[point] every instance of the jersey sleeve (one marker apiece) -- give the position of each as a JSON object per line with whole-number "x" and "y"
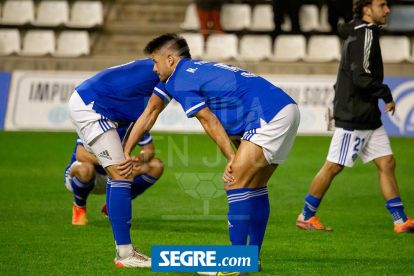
{"x": 161, "y": 91}
{"x": 79, "y": 142}
{"x": 146, "y": 140}
{"x": 190, "y": 97}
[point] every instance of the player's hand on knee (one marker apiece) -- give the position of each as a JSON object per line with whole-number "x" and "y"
{"x": 136, "y": 163}
{"x": 228, "y": 173}
{"x": 125, "y": 167}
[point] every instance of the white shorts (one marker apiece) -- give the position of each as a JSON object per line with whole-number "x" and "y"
{"x": 100, "y": 181}
{"x": 276, "y": 137}
{"x": 347, "y": 145}
{"x": 97, "y": 133}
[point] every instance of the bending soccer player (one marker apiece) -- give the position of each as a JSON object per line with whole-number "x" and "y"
{"x": 227, "y": 101}
{"x": 359, "y": 130}
{"x": 84, "y": 175}
{"x": 115, "y": 96}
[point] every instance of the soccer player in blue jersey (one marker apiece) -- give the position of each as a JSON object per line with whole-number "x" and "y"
{"x": 84, "y": 175}
{"x": 227, "y": 101}
{"x": 115, "y": 96}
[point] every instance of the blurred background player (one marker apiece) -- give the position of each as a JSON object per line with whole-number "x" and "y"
{"x": 209, "y": 14}
{"x": 84, "y": 175}
{"x": 115, "y": 96}
{"x": 227, "y": 101}
{"x": 359, "y": 130}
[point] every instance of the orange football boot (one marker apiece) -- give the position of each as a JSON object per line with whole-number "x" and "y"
{"x": 407, "y": 227}
{"x": 79, "y": 215}
{"x": 311, "y": 224}
{"x": 105, "y": 210}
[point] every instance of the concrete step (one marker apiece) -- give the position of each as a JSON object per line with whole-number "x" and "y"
{"x": 152, "y": 12}
{"x": 113, "y": 45}
{"x": 142, "y": 28}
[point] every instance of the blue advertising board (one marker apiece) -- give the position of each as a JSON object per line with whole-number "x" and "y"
{"x": 4, "y": 95}
{"x": 402, "y": 123}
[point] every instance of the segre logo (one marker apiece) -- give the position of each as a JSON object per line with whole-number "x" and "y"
{"x": 204, "y": 258}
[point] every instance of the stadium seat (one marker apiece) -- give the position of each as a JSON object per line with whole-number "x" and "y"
{"x": 323, "y": 20}
{"x": 9, "y": 41}
{"x": 395, "y": 49}
{"x": 86, "y": 14}
{"x": 72, "y": 44}
{"x": 221, "y": 47}
{"x": 195, "y": 42}
{"x": 235, "y": 17}
{"x": 191, "y": 20}
{"x": 255, "y": 47}
{"x": 289, "y": 48}
{"x": 52, "y": 13}
{"x": 323, "y": 48}
{"x": 309, "y": 18}
{"x": 262, "y": 18}
{"x": 287, "y": 24}
{"x": 38, "y": 43}
{"x": 17, "y": 12}
{"x": 401, "y": 19}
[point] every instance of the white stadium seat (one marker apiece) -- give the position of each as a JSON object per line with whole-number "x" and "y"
{"x": 235, "y": 17}
{"x": 18, "y": 12}
{"x": 195, "y": 42}
{"x": 289, "y": 48}
{"x": 262, "y": 18}
{"x": 191, "y": 19}
{"x": 9, "y": 41}
{"x": 255, "y": 47}
{"x": 287, "y": 24}
{"x": 309, "y": 18}
{"x": 395, "y": 49}
{"x": 38, "y": 43}
{"x": 221, "y": 47}
{"x": 52, "y": 13}
{"x": 86, "y": 14}
{"x": 72, "y": 44}
{"x": 323, "y": 20}
{"x": 323, "y": 48}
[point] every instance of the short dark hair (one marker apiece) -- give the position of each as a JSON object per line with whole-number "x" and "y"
{"x": 177, "y": 43}
{"x": 359, "y": 7}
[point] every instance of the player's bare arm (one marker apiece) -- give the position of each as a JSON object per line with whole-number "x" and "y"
{"x": 215, "y": 130}
{"x": 142, "y": 126}
{"x": 82, "y": 155}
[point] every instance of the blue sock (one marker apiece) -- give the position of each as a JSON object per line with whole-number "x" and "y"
{"x": 259, "y": 216}
{"x": 396, "y": 208}
{"x": 108, "y": 196}
{"x": 239, "y": 215}
{"x": 311, "y": 205}
{"x": 141, "y": 183}
{"x": 81, "y": 190}
{"x": 120, "y": 211}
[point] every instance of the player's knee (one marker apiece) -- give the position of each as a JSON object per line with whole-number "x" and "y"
{"x": 156, "y": 168}
{"x": 387, "y": 164}
{"x": 85, "y": 172}
{"x": 333, "y": 168}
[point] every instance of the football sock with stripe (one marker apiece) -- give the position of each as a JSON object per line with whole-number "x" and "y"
{"x": 311, "y": 205}
{"x": 396, "y": 208}
{"x": 240, "y": 207}
{"x": 141, "y": 183}
{"x": 81, "y": 190}
{"x": 108, "y": 195}
{"x": 120, "y": 211}
{"x": 259, "y": 216}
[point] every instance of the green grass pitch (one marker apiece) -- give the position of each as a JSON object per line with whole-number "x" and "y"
{"x": 37, "y": 237}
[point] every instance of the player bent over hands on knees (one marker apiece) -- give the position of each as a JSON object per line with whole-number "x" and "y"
{"x": 227, "y": 101}
{"x": 359, "y": 130}
{"x": 114, "y": 97}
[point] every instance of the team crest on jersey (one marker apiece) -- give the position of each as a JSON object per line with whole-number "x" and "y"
{"x": 191, "y": 70}
{"x": 105, "y": 154}
{"x": 354, "y": 157}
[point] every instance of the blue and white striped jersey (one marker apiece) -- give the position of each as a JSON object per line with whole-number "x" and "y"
{"x": 121, "y": 93}
{"x": 238, "y": 98}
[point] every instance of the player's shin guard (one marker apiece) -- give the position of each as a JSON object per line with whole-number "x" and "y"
{"x": 81, "y": 190}
{"x": 119, "y": 211}
{"x": 311, "y": 205}
{"x": 141, "y": 183}
{"x": 239, "y": 215}
{"x": 259, "y": 216}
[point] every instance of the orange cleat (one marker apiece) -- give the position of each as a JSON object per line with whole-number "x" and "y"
{"x": 105, "y": 210}
{"x": 79, "y": 215}
{"x": 407, "y": 227}
{"x": 311, "y": 224}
